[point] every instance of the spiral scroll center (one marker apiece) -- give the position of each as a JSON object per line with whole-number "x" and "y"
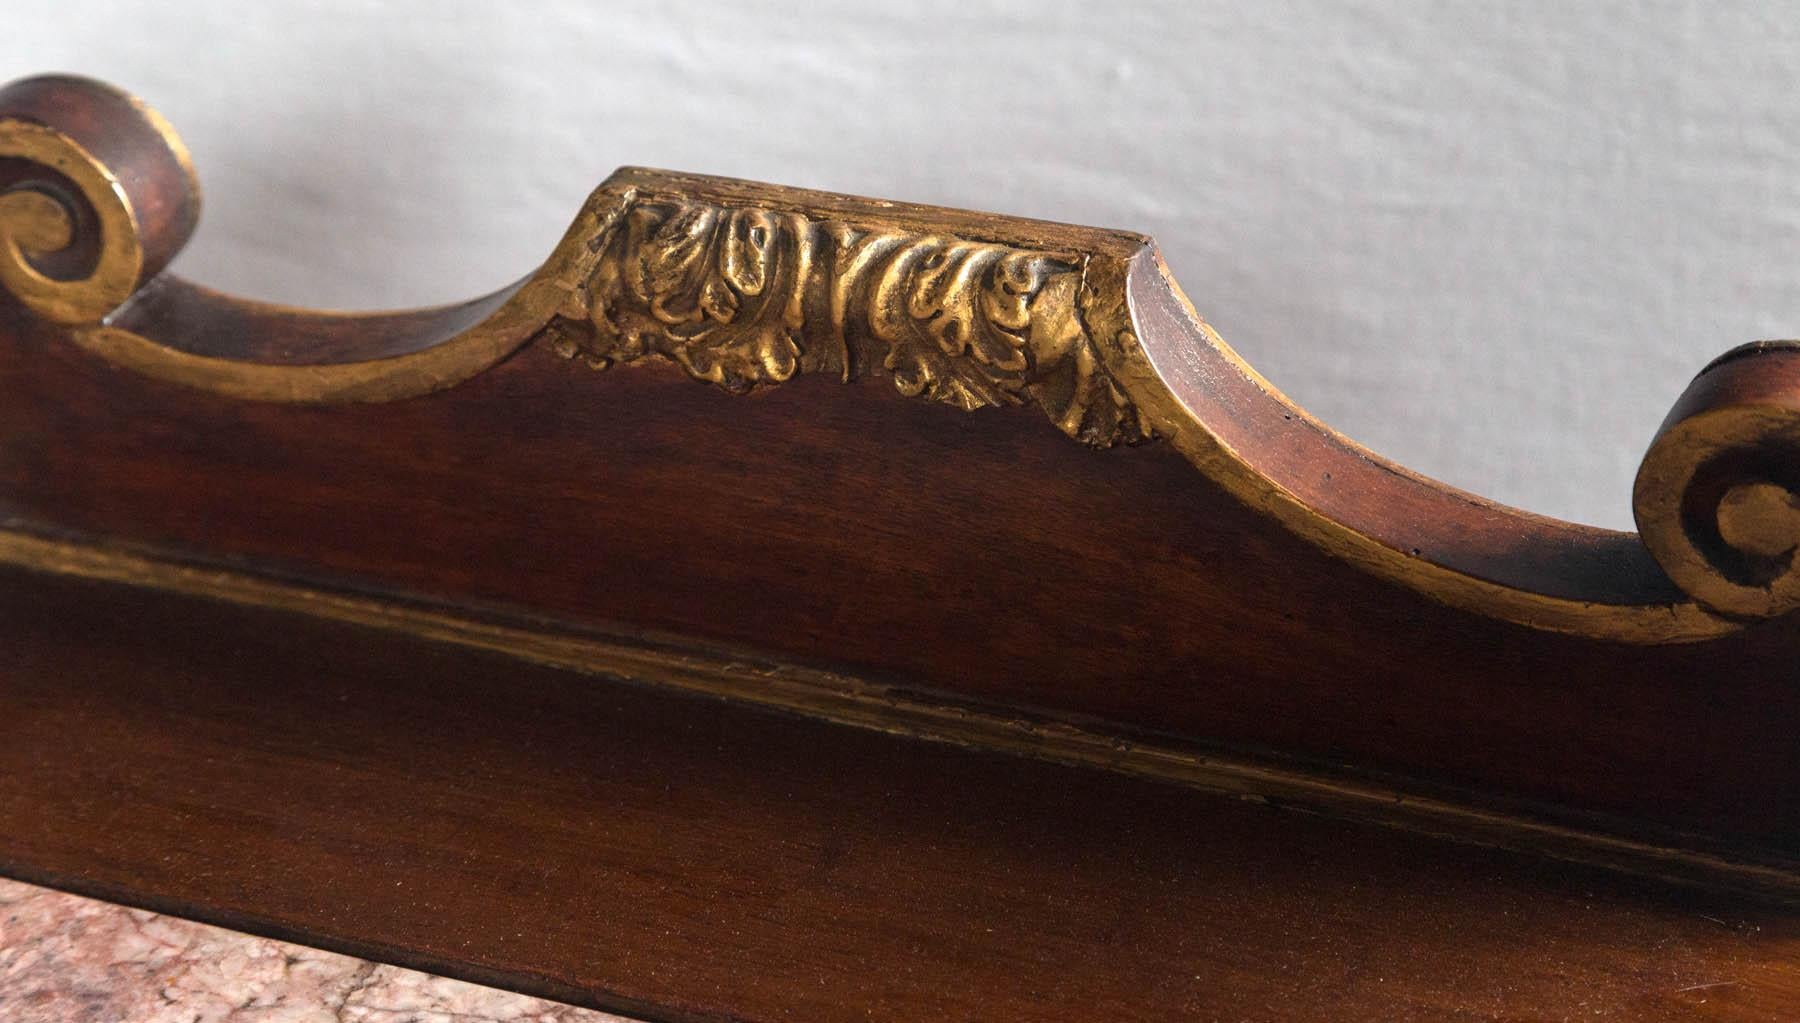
{"x": 36, "y": 221}
{"x": 1760, "y": 519}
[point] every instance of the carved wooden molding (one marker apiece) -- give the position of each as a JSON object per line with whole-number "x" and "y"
{"x": 745, "y": 285}
{"x": 740, "y": 296}
{"x": 216, "y": 514}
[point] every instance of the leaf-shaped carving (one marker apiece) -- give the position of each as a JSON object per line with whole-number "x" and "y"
{"x": 707, "y": 287}
{"x": 952, "y": 321}
{"x": 725, "y": 292}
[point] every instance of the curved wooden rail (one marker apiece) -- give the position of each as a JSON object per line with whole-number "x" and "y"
{"x": 746, "y": 285}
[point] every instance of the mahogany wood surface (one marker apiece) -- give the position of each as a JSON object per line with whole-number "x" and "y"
{"x": 982, "y": 556}
{"x": 1090, "y": 533}
{"x": 680, "y": 858}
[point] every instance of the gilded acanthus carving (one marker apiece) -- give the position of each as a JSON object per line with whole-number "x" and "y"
{"x": 745, "y": 296}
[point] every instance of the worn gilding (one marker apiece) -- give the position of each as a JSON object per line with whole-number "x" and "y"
{"x": 745, "y": 286}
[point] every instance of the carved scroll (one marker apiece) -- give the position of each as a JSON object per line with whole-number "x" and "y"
{"x": 1717, "y": 498}
{"x": 741, "y": 297}
{"x": 745, "y": 285}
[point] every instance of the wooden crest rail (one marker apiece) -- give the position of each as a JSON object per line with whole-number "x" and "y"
{"x": 408, "y": 634}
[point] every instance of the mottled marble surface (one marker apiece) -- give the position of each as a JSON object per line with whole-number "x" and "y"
{"x": 65, "y": 959}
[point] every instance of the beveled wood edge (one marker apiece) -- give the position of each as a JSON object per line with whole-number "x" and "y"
{"x": 713, "y": 274}
{"x": 1661, "y": 854}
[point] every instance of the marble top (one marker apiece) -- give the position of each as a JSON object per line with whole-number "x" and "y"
{"x": 65, "y": 959}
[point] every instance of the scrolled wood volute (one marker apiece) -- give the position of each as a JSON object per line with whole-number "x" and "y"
{"x": 97, "y": 195}
{"x": 1718, "y": 496}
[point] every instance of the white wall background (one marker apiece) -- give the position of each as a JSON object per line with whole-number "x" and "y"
{"x": 1490, "y": 240}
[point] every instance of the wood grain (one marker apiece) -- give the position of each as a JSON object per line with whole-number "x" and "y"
{"x": 685, "y": 859}
{"x": 979, "y": 556}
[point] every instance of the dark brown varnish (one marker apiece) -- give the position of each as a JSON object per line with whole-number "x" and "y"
{"x": 689, "y": 860}
{"x": 981, "y": 555}
{"x": 599, "y": 835}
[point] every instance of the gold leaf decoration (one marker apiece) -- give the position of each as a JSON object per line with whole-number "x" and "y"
{"x": 741, "y": 296}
